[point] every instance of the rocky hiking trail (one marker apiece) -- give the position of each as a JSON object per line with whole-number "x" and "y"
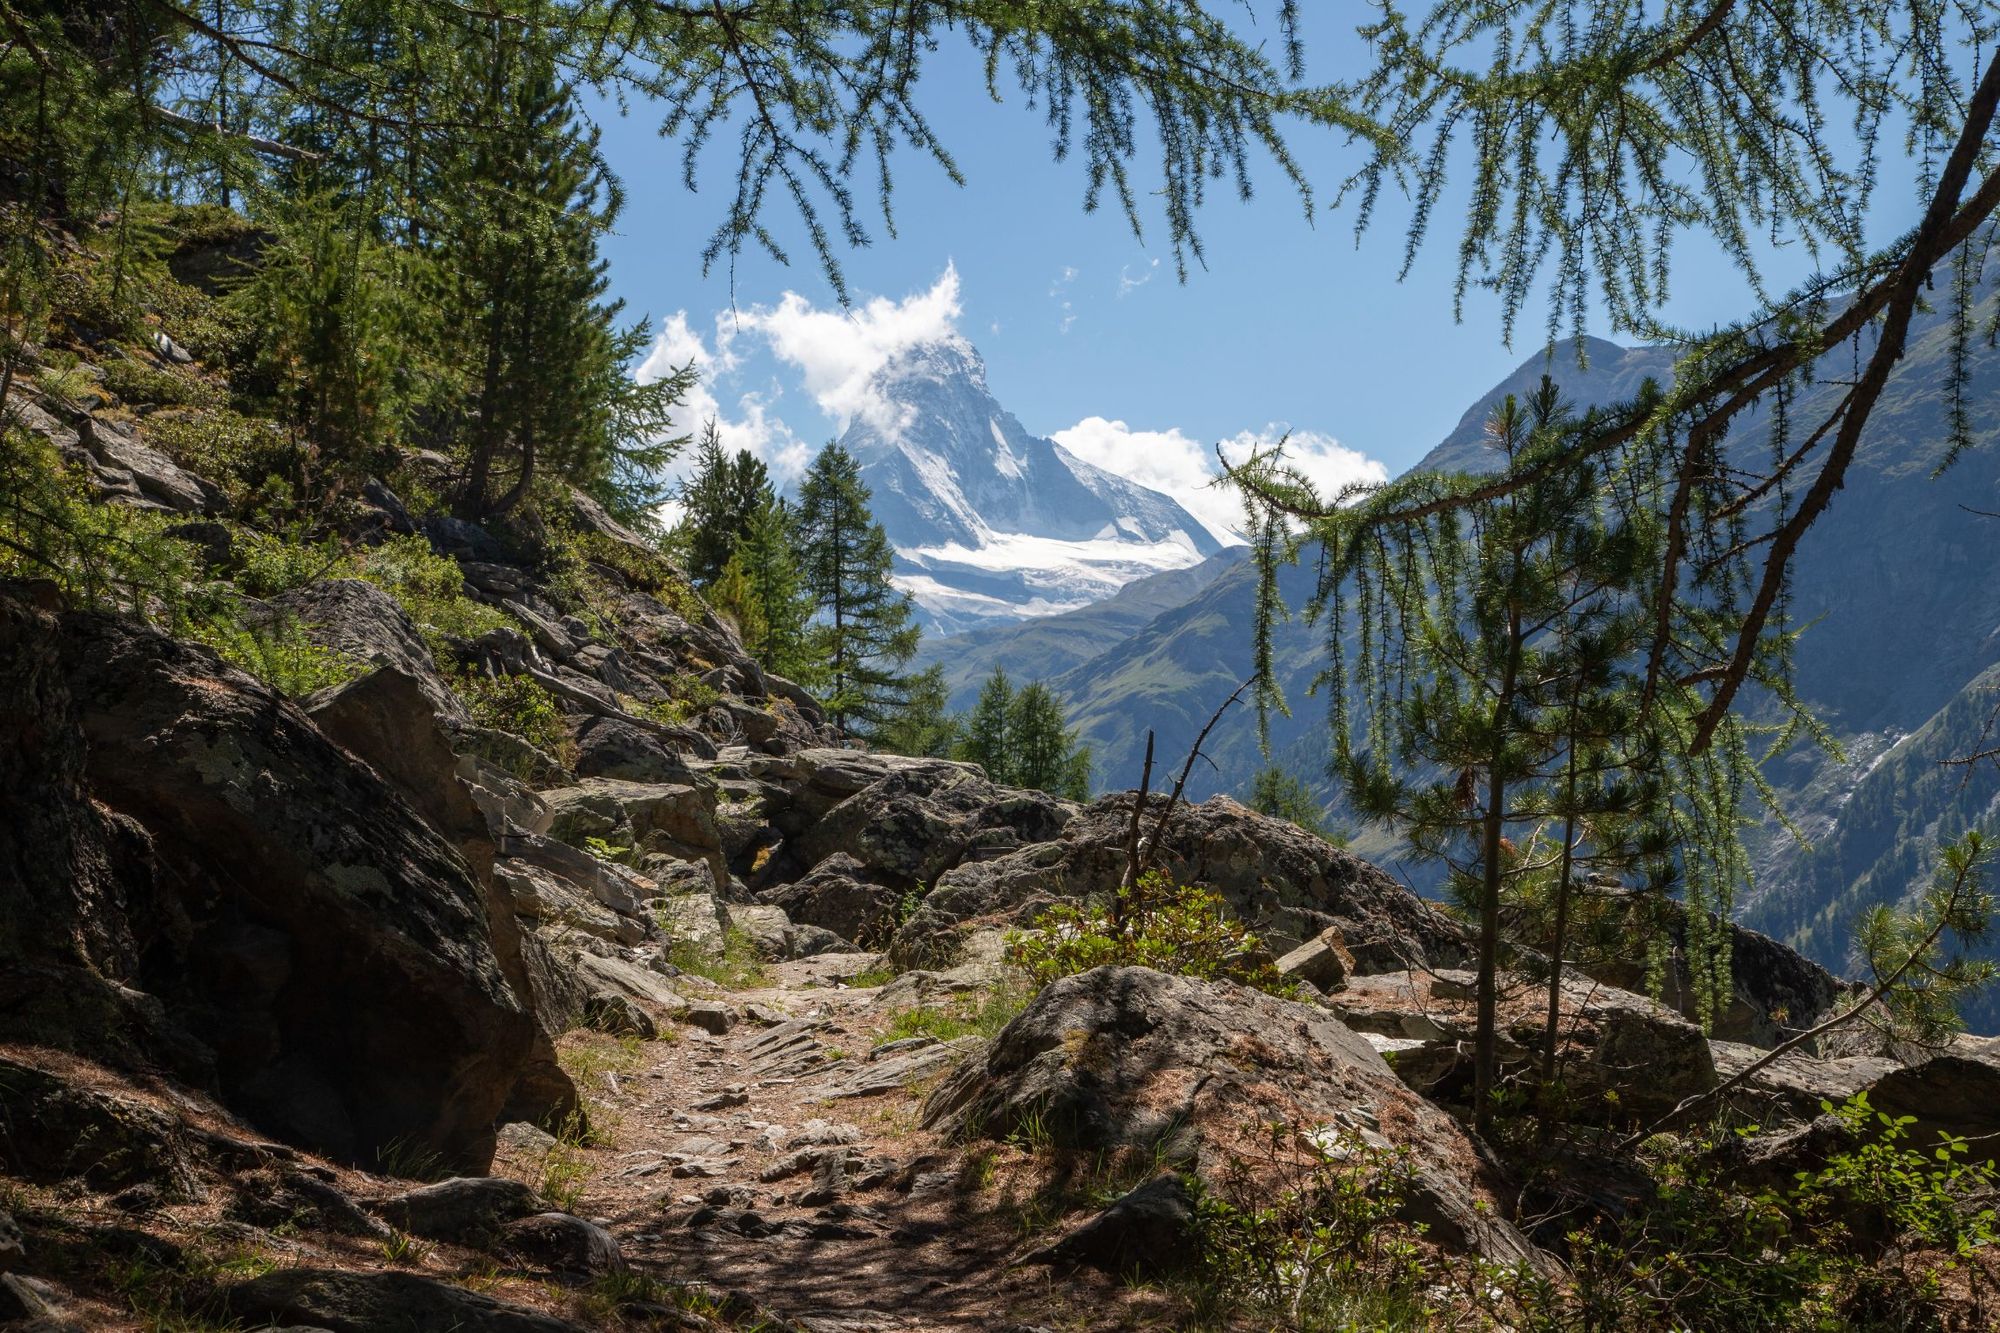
{"x": 788, "y": 1161}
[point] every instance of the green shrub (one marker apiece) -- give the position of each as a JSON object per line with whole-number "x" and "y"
{"x": 133, "y": 381}
{"x": 963, "y": 1016}
{"x": 519, "y": 705}
{"x": 277, "y": 653}
{"x": 1314, "y": 1240}
{"x": 268, "y": 564}
{"x": 1168, "y": 927}
{"x": 431, "y": 590}
{"x": 245, "y": 456}
{"x": 740, "y": 967}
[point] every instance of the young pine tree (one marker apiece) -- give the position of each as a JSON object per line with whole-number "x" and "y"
{"x": 722, "y": 499}
{"x": 863, "y": 632}
{"x": 924, "y": 727}
{"x": 1517, "y": 751}
{"x": 1046, "y": 755}
{"x": 986, "y": 727}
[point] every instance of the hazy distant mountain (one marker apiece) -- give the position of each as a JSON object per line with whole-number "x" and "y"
{"x": 1902, "y": 659}
{"x": 1049, "y": 645}
{"x": 992, "y": 524}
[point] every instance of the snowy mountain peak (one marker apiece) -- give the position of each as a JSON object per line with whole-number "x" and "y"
{"x": 989, "y": 522}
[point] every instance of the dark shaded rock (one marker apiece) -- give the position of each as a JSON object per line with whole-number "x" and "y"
{"x": 1621, "y": 1055}
{"x": 352, "y": 1302}
{"x": 386, "y": 719}
{"x": 561, "y": 1244}
{"x": 54, "y": 1128}
{"x": 463, "y": 1210}
{"x": 614, "y": 747}
{"x": 1776, "y": 991}
{"x": 921, "y": 817}
{"x": 359, "y": 619}
{"x": 371, "y": 1009}
{"x": 672, "y": 819}
{"x": 839, "y": 895}
{"x": 1286, "y": 883}
{"x": 1955, "y": 1093}
{"x": 1194, "y": 1072}
{"x": 1146, "y": 1233}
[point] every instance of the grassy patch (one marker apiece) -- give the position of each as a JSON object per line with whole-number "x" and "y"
{"x": 963, "y": 1016}
{"x": 740, "y": 967}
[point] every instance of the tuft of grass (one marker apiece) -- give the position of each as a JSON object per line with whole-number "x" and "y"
{"x": 399, "y": 1247}
{"x": 740, "y": 966}
{"x": 874, "y": 976}
{"x": 964, "y": 1016}
{"x": 406, "y": 1159}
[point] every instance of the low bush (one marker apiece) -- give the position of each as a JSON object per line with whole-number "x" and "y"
{"x": 1181, "y": 929}
{"x": 134, "y": 382}
{"x": 520, "y": 706}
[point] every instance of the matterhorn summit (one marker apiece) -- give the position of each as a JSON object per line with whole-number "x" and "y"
{"x": 990, "y": 523}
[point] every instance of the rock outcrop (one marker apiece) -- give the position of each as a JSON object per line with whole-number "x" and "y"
{"x": 1288, "y": 884}
{"x": 296, "y": 928}
{"x": 1195, "y": 1072}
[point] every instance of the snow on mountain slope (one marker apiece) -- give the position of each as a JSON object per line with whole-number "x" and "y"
{"x": 992, "y": 524}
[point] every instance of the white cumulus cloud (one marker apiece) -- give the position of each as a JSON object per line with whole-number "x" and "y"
{"x": 1184, "y": 467}
{"x": 748, "y": 424}
{"x": 839, "y": 353}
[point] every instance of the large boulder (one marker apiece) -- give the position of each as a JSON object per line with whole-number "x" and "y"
{"x": 331, "y": 948}
{"x": 1956, "y": 1093}
{"x": 1775, "y": 990}
{"x": 841, "y": 895}
{"x": 1125, "y": 1059}
{"x": 673, "y": 819}
{"x": 1620, "y": 1055}
{"x": 361, "y": 620}
{"x": 617, "y": 747}
{"x": 1288, "y": 884}
{"x": 918, "y": 820}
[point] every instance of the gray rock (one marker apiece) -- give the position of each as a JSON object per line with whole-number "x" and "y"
{"x": 359, "y": 619}
{"x": 1128, "y": 1058}
{"x": 371, "y": 915}
{"x": 1148, "y": 1233}
{"x": 464, "y": 1210}
{"x": 29, "y": 1300}
{"x": 1322, "y": 961}
{"x": 676, "y": 819}
{"x": 1955, "y": 1093}
{"x": 616, "y": 747}
{"x": 1794, "y": 1085}
{"x": 384, "y": 1302}
{"x": 161, "y": 483}
{"x": 710, "y": 1016}
{"x": 1286, "y": 883}
{"x": 838, "y": 895}
{"x": 561, "y": 1244}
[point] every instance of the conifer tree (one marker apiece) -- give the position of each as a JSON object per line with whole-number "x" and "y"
{"x": 863, "y": 630}
{"x": 1282, "y": 795}
{"x": 1045, "y": 754}
{"x": 924, "y": 727}
{"x": 721, "y": 500}
{"x": 1499, "y": 695}
{"x": 986, "y": 727}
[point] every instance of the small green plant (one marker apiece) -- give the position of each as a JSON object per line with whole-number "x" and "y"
{"x": 964, "y": 1016}
{"x": 739, "y": 966}
{"x": 243, "y": 455}
{"x": 605, "y": 850}
{"x": 431, "y": 590}
{"x": 133, "y": 381}
{"x": 520, "y": 706}
{"x": 399, "y": 1247}
{"x": 1174, "y": 928}
{"x": 407, "y": 1159}
{"x": 63, "y": 378}
{"x": 277, "y": 653}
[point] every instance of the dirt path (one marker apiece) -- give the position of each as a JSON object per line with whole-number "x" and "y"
{"x": 783, "y": 1160}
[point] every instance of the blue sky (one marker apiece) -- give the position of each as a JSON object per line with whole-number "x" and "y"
{"x": 1290, "y": 325}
